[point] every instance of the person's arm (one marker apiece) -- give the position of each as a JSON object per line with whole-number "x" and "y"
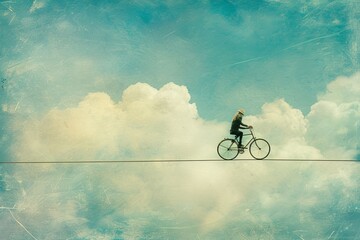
{"x": 244, "y": 126}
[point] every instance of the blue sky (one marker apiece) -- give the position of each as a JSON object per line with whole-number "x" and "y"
{"x": 229, "y": 54}
{"x": 115, "y": 80}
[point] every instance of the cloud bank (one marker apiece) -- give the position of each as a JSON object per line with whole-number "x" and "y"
{"x": 146, "y": 124}
{"x": 334, "y": 119}
{"x": 330, "y": 130}
{"x": 256, "y": 200}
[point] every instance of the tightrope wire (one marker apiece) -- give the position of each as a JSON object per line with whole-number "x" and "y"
{"x": 175, "y": 161}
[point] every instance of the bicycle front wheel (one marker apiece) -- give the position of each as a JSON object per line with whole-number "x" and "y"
{"x": 259, "y": 149}
{"x": 228, "y": 149}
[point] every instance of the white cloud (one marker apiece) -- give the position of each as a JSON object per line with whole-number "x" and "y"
{"x": 285, "y": 128}
{"x": 147, "y": 123}
{"x": 334, "y": 119}
{"x": 330, "y": 130}
{"x": 343, "y": 90}
{"x": 280, "y": 122}
{"x": 177, "y": 200}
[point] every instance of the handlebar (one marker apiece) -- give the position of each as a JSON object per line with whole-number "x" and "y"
{"x": 251, "y": 131}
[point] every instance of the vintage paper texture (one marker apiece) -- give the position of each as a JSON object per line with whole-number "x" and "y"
{"x": 111, "y": 113}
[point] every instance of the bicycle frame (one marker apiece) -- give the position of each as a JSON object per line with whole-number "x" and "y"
{"x": 250, "y": 141}
{"x": 229, "y": 148}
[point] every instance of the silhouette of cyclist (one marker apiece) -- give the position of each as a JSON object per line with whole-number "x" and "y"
{"x": 237, "y": 124}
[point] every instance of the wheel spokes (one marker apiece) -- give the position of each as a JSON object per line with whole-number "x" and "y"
{"x": 228, "y": 149}
{"x": 259, "y": 149}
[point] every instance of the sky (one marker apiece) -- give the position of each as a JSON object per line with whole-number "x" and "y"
{"x": 158, "y": 80}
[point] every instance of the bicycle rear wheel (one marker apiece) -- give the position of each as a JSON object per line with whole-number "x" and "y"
{"x": 228, "y": 149}
{"x": 259, "y": 149}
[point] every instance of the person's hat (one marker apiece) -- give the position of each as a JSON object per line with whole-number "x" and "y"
{"x": 242, "y": 111}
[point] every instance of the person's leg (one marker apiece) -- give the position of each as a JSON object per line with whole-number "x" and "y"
{"x": 240, "y": 133}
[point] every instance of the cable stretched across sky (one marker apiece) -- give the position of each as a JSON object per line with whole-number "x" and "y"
{"x": 175, "y": 161}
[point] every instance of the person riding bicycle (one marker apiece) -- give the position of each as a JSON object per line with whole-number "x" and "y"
{"x": 237, "y": 124}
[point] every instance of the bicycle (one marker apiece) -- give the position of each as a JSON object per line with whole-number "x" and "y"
{"x": 229, "y": 148}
